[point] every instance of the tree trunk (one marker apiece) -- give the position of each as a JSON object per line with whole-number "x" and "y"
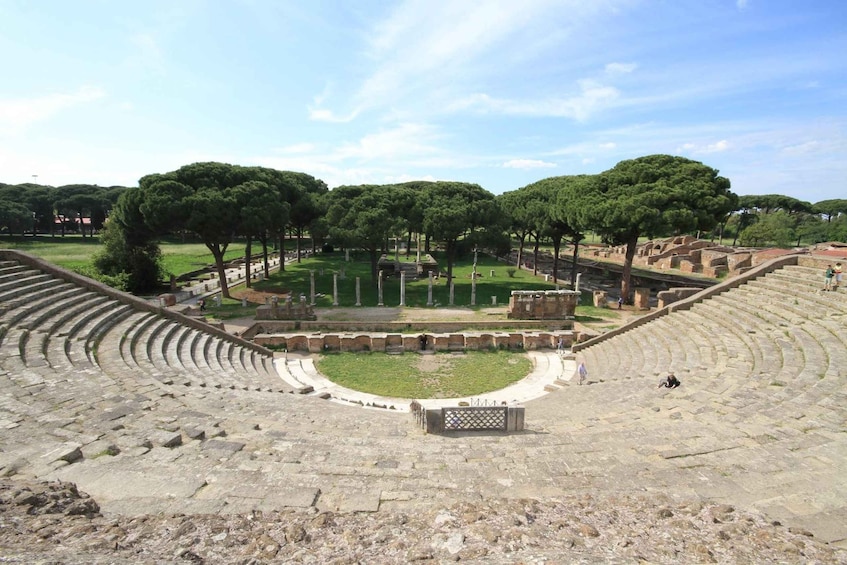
{"x": 535, "y": 257}
{"x": 557, "y": 244}
{"x": 282, "y": 251}
{"x": 298, "y": 233}
{"x": 374, "y": 256}
{"x": 248, "y": 260}
{"x": 627, "y": 269}
{"x": 218, "y": 254}
{"x": 264, "y": 240}
{"x": 574, "y": 264}
{"x": 522, "y": 240}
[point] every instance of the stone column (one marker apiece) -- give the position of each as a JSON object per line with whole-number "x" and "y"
{"x": 402, "y": 288}
{"x": 419, "y": 249}
{"x": 347, "y": 255}
{"x": 452, "y": 289}
{"x": 312, "y": 285}
{"x": 429, "y": 291}
{"x": 642, "y": 299}
{"x": 358, "y": 291}
{"x": 335, "y": 289}
{"x": 578, "y": 276}
{"x": 379, "y": 290}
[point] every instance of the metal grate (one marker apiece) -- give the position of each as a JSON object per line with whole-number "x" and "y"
{"x": 474, "y": 418}
{"x": 419, "y": 414}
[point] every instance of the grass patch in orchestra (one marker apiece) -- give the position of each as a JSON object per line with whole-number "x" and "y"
{"x": 410, "y": 375}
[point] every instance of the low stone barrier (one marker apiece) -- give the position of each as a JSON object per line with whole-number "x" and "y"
{"x": 468, "y": 418}
{"x": 398, "y": 343}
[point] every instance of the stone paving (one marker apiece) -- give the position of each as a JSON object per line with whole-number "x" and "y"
{"x": 149, "y": 416}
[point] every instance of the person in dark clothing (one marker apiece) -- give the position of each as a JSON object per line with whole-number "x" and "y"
{"x": 670, "y": 382}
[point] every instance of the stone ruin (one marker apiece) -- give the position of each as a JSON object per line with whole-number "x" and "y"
{"x": 288, "y": 310}
{"x": 419, "y": 269}
{"x": 543, "y": 304}
{"x": 690, "y": 255}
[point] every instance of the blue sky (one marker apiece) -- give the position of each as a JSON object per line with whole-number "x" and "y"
{"x": 501, "y": 93}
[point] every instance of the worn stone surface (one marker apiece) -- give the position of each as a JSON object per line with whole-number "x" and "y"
{"x": 55, "y": 523}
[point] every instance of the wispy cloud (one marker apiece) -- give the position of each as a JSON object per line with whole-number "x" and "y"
{"x": 16, "y": 114}
{"x": 325, "y": 115}
{"x": 425, "y": 52}
{"x": 701, "y": 149}
{"x": 591, "y": 97}
{"x": 620, "y": 68}
{"x": 405, "y": 140}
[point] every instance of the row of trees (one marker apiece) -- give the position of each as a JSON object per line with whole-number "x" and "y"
{"x": 216, "y": 201}
{"x": 784, "y": 221}
{"x": 651, "y": 196}
{"x": 40, "y": 208}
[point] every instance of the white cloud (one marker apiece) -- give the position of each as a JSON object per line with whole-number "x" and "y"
{"x": 620, "y": 68}
{"x": 323, "y": 115}
{"x": 695, "y": 149}
{"x": 19, "y": 113}
{"x": 384, "y": 156}
{"x": 592, "y": 98}
{"x": 717, "y": 147}
{"x": 408, "y": 139}
{"x": 527, "y": 164}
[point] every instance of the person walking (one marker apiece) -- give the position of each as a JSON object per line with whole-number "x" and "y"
{"x": 837, "y": 274}
{"x": 582, "y": 372}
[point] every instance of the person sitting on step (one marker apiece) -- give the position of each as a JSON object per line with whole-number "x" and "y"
{"x": 670, "y": 382}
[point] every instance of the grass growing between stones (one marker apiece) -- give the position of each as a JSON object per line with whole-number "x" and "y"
{"x": 442, "y": 375}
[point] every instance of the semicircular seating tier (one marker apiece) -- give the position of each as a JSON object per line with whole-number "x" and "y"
{"x": 150, "y": 411}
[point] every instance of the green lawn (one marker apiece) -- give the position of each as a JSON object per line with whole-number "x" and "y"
{"x": 181, "y": 258}
{"x": 443, "y": 375}
{"x": 75, "y": 252}
{"x": 296, "y": 279}
{"x": 71, "y": 251}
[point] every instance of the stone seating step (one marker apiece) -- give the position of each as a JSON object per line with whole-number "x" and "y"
{"x": 29, "y": 296}
{"x": 92, "y": 330}
{"x": 785, "y": 290}
{"x": 718, "y": 319}
{"x": 11, "y": 268}
{"x": 116, "y": 357}
{"x": 20, "y": 284}
{"x": 806, "y": 331}
{"x": 11, "y": 277}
